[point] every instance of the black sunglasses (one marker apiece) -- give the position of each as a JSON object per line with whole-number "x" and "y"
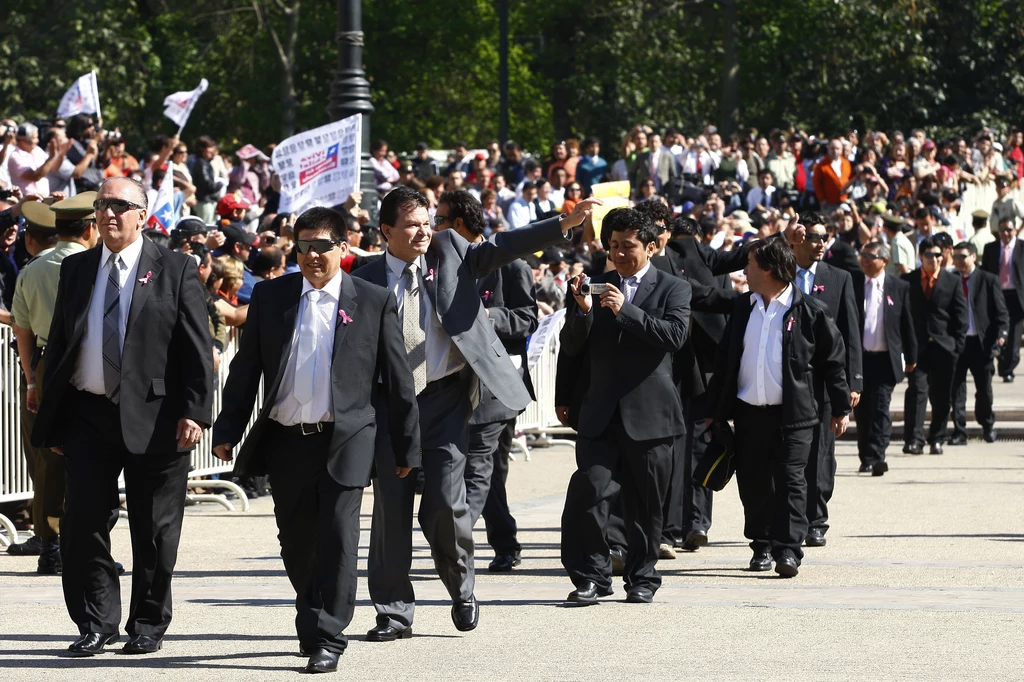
{"x": 118, "y": 206}
{"x": 816, "y": 237}
{"x": 959, "y": 256}
{"x": 931, "y": 254}
{"x": 318, "y": 245}
{"x": 1006, "y": 229}
{"x": 870, "y": 256}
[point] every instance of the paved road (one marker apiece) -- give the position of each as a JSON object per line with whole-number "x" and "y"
{"x": 923, "y": 578}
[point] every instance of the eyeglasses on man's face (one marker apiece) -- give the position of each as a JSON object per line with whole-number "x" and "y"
{"x": 118, "y": 206}
{"x": 318, "y": 245}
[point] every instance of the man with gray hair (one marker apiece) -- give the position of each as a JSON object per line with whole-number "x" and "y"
{"x": 887, "y": 332}
{"x": 29, "y": 164}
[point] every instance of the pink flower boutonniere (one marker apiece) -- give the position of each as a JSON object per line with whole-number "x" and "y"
{"x": 145, "y": 280}
{"x": 828, "y": 254}
{"x": 889, "y": 300}
{"x": 487, "y": 296}
{"x": 345, "y": 318}
{"x": 430, "y": 275}
{"x": 789, "y": 325}
{"x": 818, "y": 287}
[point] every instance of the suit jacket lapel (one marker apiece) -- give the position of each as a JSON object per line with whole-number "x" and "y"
{"x": 432, "y": 283}
{"x": 148, "y": 270}
{"x": 347, "y": 305}
{"x": 646, "y": 286}
{"x": 889, "y": 317}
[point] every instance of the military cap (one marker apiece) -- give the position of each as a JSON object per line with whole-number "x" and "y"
{"x": 78, "y": 207}
{"x": 891, "y": 220}
{"x": 39, "y": 216}
{"x": 980, "y": 214}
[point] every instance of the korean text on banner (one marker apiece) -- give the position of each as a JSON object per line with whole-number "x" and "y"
{"x": 83, "y": 97}
{"x": 319, "y": 167}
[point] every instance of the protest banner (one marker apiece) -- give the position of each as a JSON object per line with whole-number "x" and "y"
{"x": 319, "y": 167}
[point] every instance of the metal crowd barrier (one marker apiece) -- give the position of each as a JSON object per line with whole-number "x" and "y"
{"x": 15, "y": 484}
{"x": 539, "y": 418}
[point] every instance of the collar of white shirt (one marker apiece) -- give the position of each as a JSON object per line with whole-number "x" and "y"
{"x": 1013, "y": 243}
{"x": 332, "y": 288}
{"x": 876, "y": 281}
{"x": 785, "y": 299}
{"x": 397, "y": 265}
{"x": 813, "y": 269}
{"x": 640, "y": 273}
{"x": 129, "y": 254}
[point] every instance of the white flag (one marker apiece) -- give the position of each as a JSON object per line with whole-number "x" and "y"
{"x": 162, "y": 215}
{"x": 179, "y": 105}
{"x": 81, "y": 98}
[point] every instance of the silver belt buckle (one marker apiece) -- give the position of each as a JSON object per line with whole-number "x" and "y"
{"x": 319, "y": 429}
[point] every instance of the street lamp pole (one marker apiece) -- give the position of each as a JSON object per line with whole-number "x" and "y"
{"x": 350, "y": 91}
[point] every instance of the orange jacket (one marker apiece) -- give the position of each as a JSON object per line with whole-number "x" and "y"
{"x": 827, "y": 186}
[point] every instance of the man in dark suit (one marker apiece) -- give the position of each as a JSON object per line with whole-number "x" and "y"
{"x": 988, "y": 324}
{"x": 509, "y": 302}
{"x": 128, "y": 387}
{"x": 833, "y": 288}
{"x": 838, "y": 253}
{"x": 1005, "y": 260}
{"x": 657, "y": 164}
{"x": 939, "y": 309}
{"x": 780, "y": 354}
{"x": 888, "y": 339}
{"x": 452, "y": 348}
{"x": 630, "y": 414}
{"x": 319, "y": 339}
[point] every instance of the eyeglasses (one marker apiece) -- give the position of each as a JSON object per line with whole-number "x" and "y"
{"x": 318, "y": 245}
{"x": 1006, "y": 229}
{"x": 118, "y": 206}
{"x": 869, "y": 256}
{"x": 931, "y": 254}
{"x": 572, "y": 189}
{"x": 959, "y": 256}
{"x": 440, "y": 220}
{"x": 815, "y": 237}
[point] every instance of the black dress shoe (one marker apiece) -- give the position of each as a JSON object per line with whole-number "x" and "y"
{"x": 49, "y": 561}
{"x": 142, "y": 644}
{"x": 913, "y": 449}
{"x": 786, "y": 566}
{"x": 31, "y": 547}
{"x": 695, "y": 539}
{"x": 935, "y": 449}
{"x": 618, "y": 557}
{"x": 92, "y": 643}
{"x": 388, "y": 633}
{"x": 865, "y": 468}
{"x": 465, "y": 614}
{"x": 991, "y": 436}
{"x": 119, "y": 568}
{"x": 957, "y": 440}
{"x": 879, "y": 468}
{"x": 503, "y": 563}
{"x": 761, "y": 561}
{"x": 587, "y": 593}
{"x": 1007, "y": 378}
{"x": 322, "y": 661}
{"x": 639, "y": 595}
{"x": 815, "y": 538}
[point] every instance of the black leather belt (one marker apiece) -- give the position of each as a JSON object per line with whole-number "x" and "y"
{"x": 441, "y": 384}
{"x": 308, "y": 429}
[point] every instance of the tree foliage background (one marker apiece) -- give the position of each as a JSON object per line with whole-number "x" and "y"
{"x": 576, "y": 66}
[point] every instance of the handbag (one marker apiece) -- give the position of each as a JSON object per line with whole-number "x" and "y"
{"x": 716, "y": 467}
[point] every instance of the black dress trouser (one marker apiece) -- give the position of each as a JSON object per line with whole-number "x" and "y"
{"x": 821, "y": 472}
{"x": 94, "y": 457}
{"x": 318, "y": 526}
{"x": 978, "y": 361}
{"x": 772, "y": 481}
{"x": 931, "y": 380}
{"x": 638, "y": 471}
{"x": 874, "y": 421}
{"x": 1009, "y": 355}
{"x": 500, "y": 524}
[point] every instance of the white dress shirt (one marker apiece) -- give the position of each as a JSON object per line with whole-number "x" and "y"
{"x": 760, "y": 378}
{"x": 629, "y": 288}
{"x": 88, "y": 374}
{"x": 443, "y": 356}
{"x": 762, "y": 197}
{"x": 874, "y": 315}
{"x": 521, "y": 213}
{"x": 322, "y": 317}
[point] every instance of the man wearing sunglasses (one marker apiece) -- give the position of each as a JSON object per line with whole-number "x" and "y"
{"x": 939, "y": 309}
{"x": 320, "y": 339}
{"x": 452, "y": 348}
{"x": 1005, "y": 259}
{"x": 128, "y": 387}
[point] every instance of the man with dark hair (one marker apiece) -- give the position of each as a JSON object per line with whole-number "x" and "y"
{"x": 592, "y": 168}
{"x": 838, "y": 253}
{"x": 631, "y": 413}
{"x": 833, "y": 288}
{"x": 988, "y": 324}
{"x": 35, "y": 295}
{"x": 511, "y": 165}
{"x": 523, "y": 210}
{"x": 325, "y": 411}
{"x": 1005, "y": 259}
{"x": 510, "y": 304}
{"x": 781, "y": 353}
{"x": 207, "y": 185}
{"x": 452, "y": 348}
{"x": 84, "y": 151}
{"x": 939, "y": 309}
{"x": 238, "y": 243}
{"x": 268, "y": 263}
{"x": 888, "y": 339}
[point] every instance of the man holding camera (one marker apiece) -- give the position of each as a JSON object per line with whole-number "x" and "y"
{"x": 629, "y": 322}
{"x": 29, "y": 164}
{"x": 988, "y": 324}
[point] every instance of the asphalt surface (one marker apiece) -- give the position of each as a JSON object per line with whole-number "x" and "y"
{"x": 922, "y": 579}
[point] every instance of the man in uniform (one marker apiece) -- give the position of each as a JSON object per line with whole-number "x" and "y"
{"x": 74, "y": 222}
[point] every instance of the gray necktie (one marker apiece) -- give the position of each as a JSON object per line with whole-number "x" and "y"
{"x": 415, "y": 339}
{"x": 629, "y": 288}
{"x": 112, "y": 331}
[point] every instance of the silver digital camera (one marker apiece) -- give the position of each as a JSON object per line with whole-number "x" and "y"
{"x": 595, "y": 289}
